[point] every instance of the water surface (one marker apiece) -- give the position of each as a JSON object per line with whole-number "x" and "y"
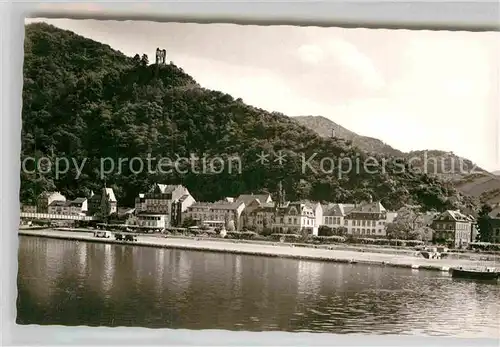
{"x": 78, "y": 283}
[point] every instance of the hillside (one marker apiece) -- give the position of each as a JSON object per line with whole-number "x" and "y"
{"x": 323, "y": 126}
{"x": 468, "y": 178}
{"x": 83, "y": 100}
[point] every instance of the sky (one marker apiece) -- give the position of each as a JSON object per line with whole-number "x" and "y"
{"x": 414, "y": 90}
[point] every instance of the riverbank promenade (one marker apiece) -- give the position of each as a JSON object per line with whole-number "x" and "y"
{"x": 273, "y": 250}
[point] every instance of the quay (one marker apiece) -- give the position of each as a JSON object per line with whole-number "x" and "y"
{"x": 272, "y": 250}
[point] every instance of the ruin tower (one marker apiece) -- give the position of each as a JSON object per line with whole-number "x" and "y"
{"x": 164, "y": 56}
{"x": 158, "y": 56}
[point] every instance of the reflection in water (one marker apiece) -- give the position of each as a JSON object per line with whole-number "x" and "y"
{"x": 309, "y": 277}
{"x": 108, "y": 270}
{"x": 69, "y": 283}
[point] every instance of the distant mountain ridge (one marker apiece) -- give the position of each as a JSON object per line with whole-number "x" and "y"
{"x": 323, "y": 127}
{"x": 466, "y": 176}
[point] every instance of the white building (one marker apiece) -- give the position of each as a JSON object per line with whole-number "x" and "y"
{"x": 163, "y": 204}
{"x": 298, "y": 216}
{"x": 366, "y": 219}
{"x": 215, "y": 213}
{"x": 75, "y": 207}
{"x": 334, "y": 214}
{"x": 46, "y": 198}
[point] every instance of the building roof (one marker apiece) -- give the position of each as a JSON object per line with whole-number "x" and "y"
{"x": 247, "y": 198}
{"x": 60, "y": 203}
{"x": 111, "y": 193}
{"x": 370, "y": 207}
{"x": 456, "y": 216}
{"x": 49, "y": 194}
{"x": 184, "y": 197}
{"x": 108, "y": 191}
{"x": 79, "y": 200}
{"x": 167, "y": 188}
{"x": 218, "y": 205}
{"x": 495, "y": 212}
{"x": 337, "y": 210}
{"x": 125, "y": 210}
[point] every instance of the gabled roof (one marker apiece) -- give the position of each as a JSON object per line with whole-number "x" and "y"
{"x": 495, "y": 213}
{"x": 49, "y": 194}
{"x": 79, "y": 201}
{"x": 337, "y": 210}
{"x": 111, "y": 194}
{"x": 247, "y": 198}
{"x": 184, "y": 197}
{"x": 370, "y": 207}
{"x": 167, "y": 188}
{"x": 125, "y": 210}
{"x": 456, "y": 216}
{"x": 59, "y": 203}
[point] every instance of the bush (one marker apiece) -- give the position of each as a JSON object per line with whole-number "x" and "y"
{"x": 286, "y": 237}
{"x": 485, "y": 246}
{"x": 266, "y": 232}
{"x": 245, "y": 235}
{"x": 329, "y": 239}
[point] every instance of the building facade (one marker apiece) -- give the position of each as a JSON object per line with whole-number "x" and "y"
{"x": 298, "y": 217}
{"x": 366, "y": 219}
{"x": 46, "y": 198}
{"x": 216, "y": 213}
{"x": 453, "y": 228}
{"x": 167, "y": 201}
{"x": 103, "y": 203}
{"x": 334, "y": 214}
{"x": 77, "y": 207}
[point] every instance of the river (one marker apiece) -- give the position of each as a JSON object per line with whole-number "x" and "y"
{"x": 79, "y": 283}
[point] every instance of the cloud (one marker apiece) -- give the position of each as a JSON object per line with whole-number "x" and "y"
{"x": 311, "y": 54}
{"x": 349, "y": 55}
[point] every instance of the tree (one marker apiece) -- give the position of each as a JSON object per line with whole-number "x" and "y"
{"x": 230, "y": 225}
{"x": 137, "y": 59}
{"x": 144, "y": 60}
{"x": 397, "y": 231}
{"x": 188, "y": 222}
{"x": 484, "y": 226}
{"x": 325, "y": 230}
{"x": 423, "y": 234}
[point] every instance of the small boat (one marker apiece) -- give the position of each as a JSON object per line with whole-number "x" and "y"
{"x": 485, "y": 274}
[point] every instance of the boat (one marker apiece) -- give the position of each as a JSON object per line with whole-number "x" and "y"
{"x": 480, "y": 274}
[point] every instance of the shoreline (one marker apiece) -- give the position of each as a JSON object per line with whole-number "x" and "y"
{"x": 275, "y": 251}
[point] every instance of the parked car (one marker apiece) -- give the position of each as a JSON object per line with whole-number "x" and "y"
{"x": 130, "y": 238}
{"x": 102, "y": 233}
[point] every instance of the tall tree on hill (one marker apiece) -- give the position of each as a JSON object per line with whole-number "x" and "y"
{"x": 144, "y": 60}
{"x": 484, "y": 227}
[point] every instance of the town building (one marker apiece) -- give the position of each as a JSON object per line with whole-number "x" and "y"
{"x": 259, "y": 217}
{"x": 163, "y": 205}
{"x": 454, "y": 228}
{"x": 216, "y": 214}
{"x": 76, "y": 207}
{"x": 248, "y": 198}
{"x": 45, "y": 199}
{"x": 366, "y": 219}
{"x": 253, "y": 202}
{"x": 28, "y": 208}
{"x": 334, "y": 214}
{"x": 103, "y": 203}
{"x": 296, "y": 217}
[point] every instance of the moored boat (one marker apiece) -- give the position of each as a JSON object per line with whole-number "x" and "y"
{"x": 480, "y": 274}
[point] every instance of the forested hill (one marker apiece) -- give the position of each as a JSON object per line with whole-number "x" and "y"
{"x": 84, "y": 100}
